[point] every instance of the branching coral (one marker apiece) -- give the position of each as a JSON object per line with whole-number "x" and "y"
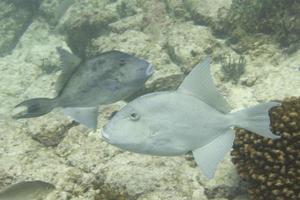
{"x": 232, "y": 69}
{"x": 272, "y": 167}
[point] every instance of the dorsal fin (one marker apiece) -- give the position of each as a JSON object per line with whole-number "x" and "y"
{"x": 69, "y": 63}
{"x": 200, "y": 83}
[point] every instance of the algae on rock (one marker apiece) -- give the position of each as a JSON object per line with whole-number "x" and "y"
{"x": 279, "y": 19}
{"x": 14, "y": 20}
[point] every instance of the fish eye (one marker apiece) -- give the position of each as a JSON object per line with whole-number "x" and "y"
{"x": 134, "y": 116}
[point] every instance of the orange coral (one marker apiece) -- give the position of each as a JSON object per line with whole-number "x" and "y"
{"x": 272, "y": 167}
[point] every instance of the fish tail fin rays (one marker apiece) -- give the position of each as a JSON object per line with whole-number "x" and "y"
{"x": 256, "y": 119}
{"x": 200, "y": 83}
{"x": 209, "y": 156}
{"x": 84, "y": 115}
{"x": 35, "y": 107}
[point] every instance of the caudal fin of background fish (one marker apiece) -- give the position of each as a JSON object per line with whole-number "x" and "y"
{"x": 34, "y": 107}
{"x": 39, "y": 106}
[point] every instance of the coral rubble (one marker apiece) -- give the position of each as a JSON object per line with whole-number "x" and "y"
{"x": 272, "y": 167}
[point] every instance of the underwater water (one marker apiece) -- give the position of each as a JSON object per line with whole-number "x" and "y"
{"x": 107, "y": 53}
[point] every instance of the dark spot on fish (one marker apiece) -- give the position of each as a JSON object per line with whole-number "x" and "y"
{"x": 92, "y": 83}
{"x": 122, "y": 62}
{"x": 96, "y": 64}
{"x": 100, "y": 62}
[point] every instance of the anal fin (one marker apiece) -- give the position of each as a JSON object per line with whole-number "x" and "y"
{"x": 84, "y": 115}
{"x": 209, "y": 156}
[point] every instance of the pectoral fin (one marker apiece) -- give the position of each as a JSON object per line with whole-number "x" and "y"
{"x": 210, "y": 155}
{"x": 84, "y": 115}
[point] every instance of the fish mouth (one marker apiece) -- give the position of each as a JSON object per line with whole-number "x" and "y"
{"x": 150, "y": 70}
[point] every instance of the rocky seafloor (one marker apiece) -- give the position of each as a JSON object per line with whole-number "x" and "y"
{"x": 75, "y": 159}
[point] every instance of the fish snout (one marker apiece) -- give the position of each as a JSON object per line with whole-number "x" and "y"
{"x": 150, "y": 70}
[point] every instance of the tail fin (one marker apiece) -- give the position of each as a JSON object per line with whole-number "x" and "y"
{"x": 256, "y": 119}
{"x": 35, "y": 108}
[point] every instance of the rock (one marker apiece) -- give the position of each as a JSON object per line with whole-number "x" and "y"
{"x": 85, "y": 21}
{"x": 177, "y": 8}
{"x": 132, "y": 22}
{"x": 40, "y": 47}
{"x": 187, "y": 42}
{"x": 14, "y": 20}
{"x": 205, "y": 11}
{"x": 54, "y": 10}
{"x": 32, "y": 68}
{"x": 49, "y": 130}
{"x": 282, "y": 69}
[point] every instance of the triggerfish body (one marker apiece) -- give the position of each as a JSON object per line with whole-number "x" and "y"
{"x": 194, "y": 118}
{"x": 84, "y": 85}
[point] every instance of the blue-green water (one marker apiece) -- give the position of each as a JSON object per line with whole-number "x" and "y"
{"x": 254, "y": 47}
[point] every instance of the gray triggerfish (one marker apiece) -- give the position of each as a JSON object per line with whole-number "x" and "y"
{"x": 194, "y": 118}
{"x": 27, "y": 190}
{"x": 83, "y": 85}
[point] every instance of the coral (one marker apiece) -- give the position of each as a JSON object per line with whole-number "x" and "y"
{"x": 232, "y": 69}
{"x": 271, "y": 167}
{"x": 277, "y": 18}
